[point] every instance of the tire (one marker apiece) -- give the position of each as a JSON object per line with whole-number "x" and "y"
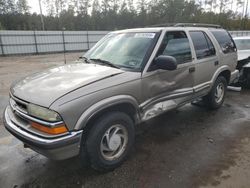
{"x": 211, "y": 100}
{"x": 100, "y": 151}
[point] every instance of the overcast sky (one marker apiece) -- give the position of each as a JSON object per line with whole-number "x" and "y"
{"x": 34, "y": 4}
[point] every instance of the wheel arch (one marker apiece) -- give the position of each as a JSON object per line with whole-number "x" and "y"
{"x": 123, "y": 103}
{"x": 222, "y": 71}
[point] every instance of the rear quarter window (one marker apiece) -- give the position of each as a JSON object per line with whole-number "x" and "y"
{"x": 225, "y": 41}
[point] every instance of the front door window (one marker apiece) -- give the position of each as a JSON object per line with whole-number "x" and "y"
{"x": 176, "y": 44}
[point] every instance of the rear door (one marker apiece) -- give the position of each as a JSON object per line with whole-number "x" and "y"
{"x": 206, "y": 61}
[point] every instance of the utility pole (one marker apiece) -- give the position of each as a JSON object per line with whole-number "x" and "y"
{"x": 41, "y": 14}
{"x": 64, "y": 45}
{"x": 246, "y": 14}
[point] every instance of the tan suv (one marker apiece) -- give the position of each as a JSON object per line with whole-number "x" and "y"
{"x": 91, "y": 108}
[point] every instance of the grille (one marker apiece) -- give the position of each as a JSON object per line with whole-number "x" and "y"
{"x": 18, "y": 104}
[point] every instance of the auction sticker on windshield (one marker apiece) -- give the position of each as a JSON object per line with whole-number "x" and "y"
{"x": 145, "y": 35}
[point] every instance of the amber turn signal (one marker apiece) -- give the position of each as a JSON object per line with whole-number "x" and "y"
{"x": 50, "y": 130}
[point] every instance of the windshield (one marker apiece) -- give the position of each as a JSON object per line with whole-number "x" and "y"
{"x": 242, "y": 44}
{"x": 123, "y": 49}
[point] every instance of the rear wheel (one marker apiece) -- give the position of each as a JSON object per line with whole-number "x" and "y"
{"x": 110, "y": 141}
{"x": 216, "y": 96}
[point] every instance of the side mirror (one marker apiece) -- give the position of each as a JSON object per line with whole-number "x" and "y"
{"x": 165, "y": 62}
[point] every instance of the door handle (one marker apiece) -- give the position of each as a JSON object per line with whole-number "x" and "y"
{"x": 216, "y": 63}
{"x": 191, "y": 69}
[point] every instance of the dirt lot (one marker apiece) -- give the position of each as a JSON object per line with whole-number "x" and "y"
{"x": 187, "y": 148}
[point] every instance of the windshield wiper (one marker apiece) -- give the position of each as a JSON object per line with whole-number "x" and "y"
{"x": 105, "y": 62}
{"x": 85, "y": 59}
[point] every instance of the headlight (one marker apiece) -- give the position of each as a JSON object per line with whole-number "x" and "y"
{"x": 43, "y": 113}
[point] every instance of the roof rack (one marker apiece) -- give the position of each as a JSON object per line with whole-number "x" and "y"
{"x": 162, "y": 25}
{"x": 197, "y": 25}
{"x": 185, "y": 25}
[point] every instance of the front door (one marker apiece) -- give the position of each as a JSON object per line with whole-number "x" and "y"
{"x": 163, "y": 90}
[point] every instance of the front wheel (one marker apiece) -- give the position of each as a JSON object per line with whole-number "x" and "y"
{"x": 110, "y": 141}
{"x": 216, "y": 96}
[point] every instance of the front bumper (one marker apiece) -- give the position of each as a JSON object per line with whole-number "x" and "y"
{"x": 55, "y": 148}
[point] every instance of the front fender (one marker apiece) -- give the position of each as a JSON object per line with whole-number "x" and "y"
{"x": 103, "y": 104}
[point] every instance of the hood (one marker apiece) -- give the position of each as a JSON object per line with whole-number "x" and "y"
{"x": 45, "y": 87}
{"x": 243, "y": 54}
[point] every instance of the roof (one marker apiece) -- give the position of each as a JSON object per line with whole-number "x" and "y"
{"x": 158, "y": 29}
{"x": 149, "y": 29}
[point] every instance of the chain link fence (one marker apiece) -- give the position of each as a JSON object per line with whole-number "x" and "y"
{"x": 38, "y": 42}
{"x": 239, "y": 33}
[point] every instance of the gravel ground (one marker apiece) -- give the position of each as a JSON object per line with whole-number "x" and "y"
{"x": 186, "y": 148}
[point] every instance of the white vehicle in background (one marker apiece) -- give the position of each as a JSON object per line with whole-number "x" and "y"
{"x": 243, "y": 47}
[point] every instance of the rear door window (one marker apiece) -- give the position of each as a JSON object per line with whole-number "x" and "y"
{"x": 202, "y": 44}
{"x": 225, "y": 41}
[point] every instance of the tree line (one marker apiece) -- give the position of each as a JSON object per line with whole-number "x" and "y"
{"x": 120, "y": 14}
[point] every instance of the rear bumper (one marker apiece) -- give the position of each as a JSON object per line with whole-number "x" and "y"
{"x": 234, "y": 77}
{"x": 55, "y": 148}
